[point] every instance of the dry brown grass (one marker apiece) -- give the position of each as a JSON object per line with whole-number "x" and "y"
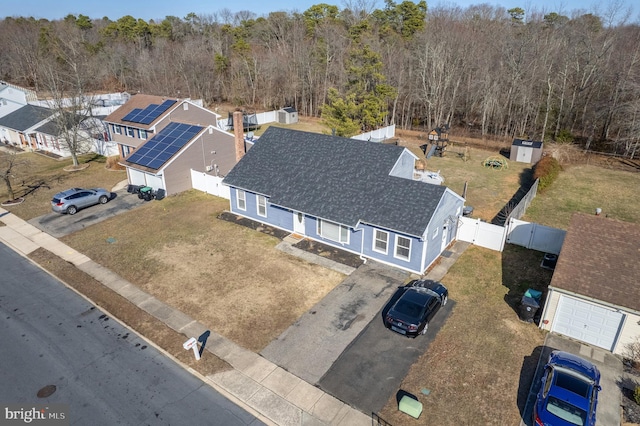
{"x": 43, "y": 177}
{"x": 228, "y": 277}
{"x": 144, "y": 324}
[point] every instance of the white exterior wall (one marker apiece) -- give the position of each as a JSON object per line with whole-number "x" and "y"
{"x": 630, "y": 332}
{"x": 549, "y": 310}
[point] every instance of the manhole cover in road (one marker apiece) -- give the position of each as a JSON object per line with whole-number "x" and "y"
{"x": 46, "y": 391}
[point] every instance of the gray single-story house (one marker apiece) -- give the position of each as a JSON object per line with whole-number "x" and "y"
{"x": 526, "y": 151}
{"x": 356, "y": 195}
{"x": 594, "y": 295}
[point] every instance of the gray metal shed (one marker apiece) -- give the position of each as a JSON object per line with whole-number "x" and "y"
{"x": 526, "y": 151}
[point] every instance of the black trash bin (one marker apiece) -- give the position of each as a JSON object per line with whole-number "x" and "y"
{"x": 528, "y": 308}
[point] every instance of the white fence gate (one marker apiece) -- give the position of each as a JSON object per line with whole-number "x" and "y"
{"x": 530, "y": 235}
{"x": 481, "y": 233}
{"x": 209, "y": 184}
{"x": 534, "y": 236}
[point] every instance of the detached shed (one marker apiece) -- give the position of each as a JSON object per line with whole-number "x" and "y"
{"x": 287, "y": 115}
{"x": 526, "y": 151}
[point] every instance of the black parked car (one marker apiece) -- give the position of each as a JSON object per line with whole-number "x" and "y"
{"x": 418, "y": 303}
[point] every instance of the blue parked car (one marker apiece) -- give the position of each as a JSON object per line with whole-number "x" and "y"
{"x": 569, "y": 392}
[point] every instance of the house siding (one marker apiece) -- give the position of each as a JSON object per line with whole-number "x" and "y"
{"x": 360, "y": 238}
{"x": 447, "y": 212}
{"x": 405, "y": 165}
{"x": 210, "y": 148}
{"x": 193, "y": 115}
{"x": 630, "y": 333}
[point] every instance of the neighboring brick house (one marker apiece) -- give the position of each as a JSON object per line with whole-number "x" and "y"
{"x": 594, "y": 295}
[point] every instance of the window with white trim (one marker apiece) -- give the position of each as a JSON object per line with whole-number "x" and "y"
{"x": 126, "y": 150}
{"x": 143, "y": 134}
{"x": 241, "y": 199}
{"x": 403, "y": 247}
{"x": 262, "y": 205}
{"x": 117, "y": 129}
{"x": 380, "y": 241}
{"x": 333, "y": 231}
{"x": 131, "y": 132}
{"x": 435, "y": 233}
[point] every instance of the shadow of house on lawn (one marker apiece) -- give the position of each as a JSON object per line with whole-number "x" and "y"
{"x": 521, "y": 271}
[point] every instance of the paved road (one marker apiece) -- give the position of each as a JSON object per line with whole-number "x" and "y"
{"x": 58, "y": 225}
{"x": 105, "y": 372}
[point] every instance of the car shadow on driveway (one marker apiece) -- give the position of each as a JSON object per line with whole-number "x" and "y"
{"x": 530, "y": 376}
{"x": 370, "y": 370}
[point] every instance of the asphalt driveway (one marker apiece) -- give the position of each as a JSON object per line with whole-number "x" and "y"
{"x": 58, "y": 225}
{"x": 310, "y": 346}
{"x": 371, "y": 369}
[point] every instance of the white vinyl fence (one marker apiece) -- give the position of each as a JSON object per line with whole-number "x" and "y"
{"x": 526, "y": 234}
{"x": 209, "y": 184}
{"x": 377, "y": 135}
{"x": 534, "y": 236}
{"x": 481, "y": 233}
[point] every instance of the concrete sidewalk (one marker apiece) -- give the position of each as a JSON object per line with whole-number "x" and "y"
{"x": 274, "y": 395}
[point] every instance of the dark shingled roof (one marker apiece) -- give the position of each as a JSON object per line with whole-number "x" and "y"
{"x": 25, "y": 117}
{"x": 337, "y": 179}
{"x": 600, "y": 258}
{"x": 525, "y": 142}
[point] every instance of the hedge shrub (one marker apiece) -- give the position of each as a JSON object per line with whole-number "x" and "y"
{"x": 547, "y": 170}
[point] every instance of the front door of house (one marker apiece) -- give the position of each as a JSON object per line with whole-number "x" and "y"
{"x": 298, "y": 223}
{"x": 445, "y": 237}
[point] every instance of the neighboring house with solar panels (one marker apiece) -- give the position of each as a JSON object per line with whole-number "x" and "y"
{"x": 162, "y": 141}
{"x": 356, "y": 195}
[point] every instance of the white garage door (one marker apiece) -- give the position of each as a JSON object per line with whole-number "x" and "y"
{"x": 587, "y": 322}
{"x": 136, "y": 177}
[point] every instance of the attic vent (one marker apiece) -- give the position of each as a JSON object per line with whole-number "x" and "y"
{"x": 210, "y": 130}
{"x": 185, "y": 106}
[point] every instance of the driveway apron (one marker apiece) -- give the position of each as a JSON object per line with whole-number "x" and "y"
{"x": 310, "y": 346}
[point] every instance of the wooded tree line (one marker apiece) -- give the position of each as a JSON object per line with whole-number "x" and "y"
{"x": 487, "y": 71}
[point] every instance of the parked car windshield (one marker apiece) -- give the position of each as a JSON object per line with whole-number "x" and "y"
{"x": 566, "y": 411}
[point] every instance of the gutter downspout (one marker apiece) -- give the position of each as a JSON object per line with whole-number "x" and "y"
{"x": 362, "y": 257}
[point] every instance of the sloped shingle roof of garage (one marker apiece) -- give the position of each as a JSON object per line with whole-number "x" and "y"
{"x": 337, "y": 179}
{"x": 600, "y": 258}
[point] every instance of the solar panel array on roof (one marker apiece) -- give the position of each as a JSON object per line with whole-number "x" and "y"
{"x": 150, "y": 113}
{"x": 159, "y": 149}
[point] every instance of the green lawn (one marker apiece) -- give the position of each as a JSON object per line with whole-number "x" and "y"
{"x": 583, "y": 189}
